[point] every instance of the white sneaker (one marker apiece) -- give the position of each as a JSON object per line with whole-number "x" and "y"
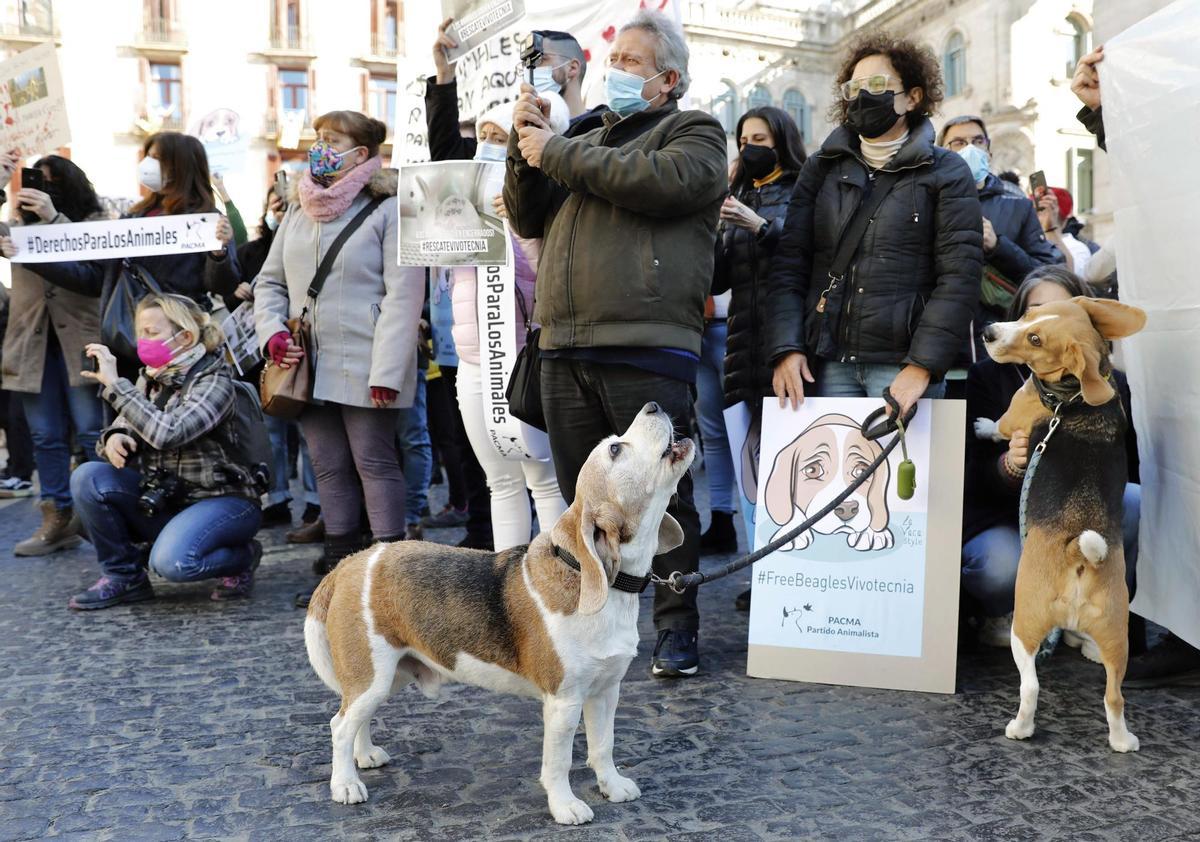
{"x": 1086, "y": 646}
{"x": 14, "y": 487}
{"x": 997, "y": 632}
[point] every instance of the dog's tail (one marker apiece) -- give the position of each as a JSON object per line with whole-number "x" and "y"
{"x": 316, "y": 636}
{"x": 1091, "y": 546}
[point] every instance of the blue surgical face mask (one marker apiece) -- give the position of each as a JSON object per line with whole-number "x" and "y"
{"x": 491, "y": 152}
{"x": 543, "y": 79}
{"x": 977, "y": 160}
{"x": 624, "y": 91}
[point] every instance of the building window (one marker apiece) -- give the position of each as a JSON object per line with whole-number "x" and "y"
{"x": 36, "y": 17}
{"x": 166, "y": 93}
{"x": 287, "y": 32}
{"x": 759, "y": 97}
{"x": 1079, "y": 178}
{"x": 1077, "y": 43}
{"x": 381, "y": 100}
{"x": 293, "y": 91}
{"x": 385, "y": 27}
{"x": 725, "y": 106}
{"x": 796, "y": 107}
{"x": 954, "y": 65}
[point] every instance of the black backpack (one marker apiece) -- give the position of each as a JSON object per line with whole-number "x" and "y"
{"x": 243, "y": 434}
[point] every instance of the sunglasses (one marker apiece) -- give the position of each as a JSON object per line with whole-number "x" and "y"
{"x": 876, "y": 84}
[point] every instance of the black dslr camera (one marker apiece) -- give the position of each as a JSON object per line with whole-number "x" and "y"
{"x": 532, "y": 55}
{"x": 162, "y": 491}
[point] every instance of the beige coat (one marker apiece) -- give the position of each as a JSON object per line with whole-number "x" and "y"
{"x": 38, "y": 307}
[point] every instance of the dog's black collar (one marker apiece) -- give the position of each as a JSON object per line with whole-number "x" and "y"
{"x": 624, "y": 582}
{"x": 1057, "y": 396}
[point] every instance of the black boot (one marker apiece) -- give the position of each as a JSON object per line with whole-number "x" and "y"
{"x": 337, "y": 547}
{"x": 721, "y": 537}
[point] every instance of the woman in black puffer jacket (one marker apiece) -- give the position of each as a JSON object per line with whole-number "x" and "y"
{"x": 771, "y": 154}
{"x": 899, "y": 316}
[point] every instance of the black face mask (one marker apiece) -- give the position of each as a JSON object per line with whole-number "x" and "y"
{"x": 758, "y": 161}
{"x": 871, "y": 115}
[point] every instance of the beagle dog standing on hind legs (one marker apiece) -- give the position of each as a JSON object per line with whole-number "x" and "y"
{"x": 1072, "y": 569}
{"x": 556, "y": 620}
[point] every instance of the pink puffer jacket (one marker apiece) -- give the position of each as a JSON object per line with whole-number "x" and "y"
{"x": 462, "y": 298}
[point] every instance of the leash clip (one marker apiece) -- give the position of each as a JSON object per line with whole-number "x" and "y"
{"x": 674, "y": 581}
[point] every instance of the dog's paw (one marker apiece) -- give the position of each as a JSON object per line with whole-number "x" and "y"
{"x": 1124, "y": 742}
{"x": 987, "y": 430}
{"x": 570, "y": 811}
{"x": 869, "y": 539}
{"x": 618, "y": 788}
{"x": 352, "y": 791}
{"x": 1019, "y": 731}
{"x": 373, "y": 759}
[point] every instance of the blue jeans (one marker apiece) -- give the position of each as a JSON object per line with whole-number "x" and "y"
{"x": 710, "y": 404}
{"x": 989, "y": 560}
{"x": 51, "y": 415}
{"x": 281, "y": 468}
{"x": 862, "y": 380}
{"x": 209, "y": 538}
{"x": 418, "y": 453}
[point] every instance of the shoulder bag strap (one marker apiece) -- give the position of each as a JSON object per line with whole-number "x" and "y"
{"x": 854, "y": 232}
{"x": 318, "y": 281}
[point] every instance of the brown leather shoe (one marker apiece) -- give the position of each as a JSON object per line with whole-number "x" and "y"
{"x": 59, "y": 531}
{"x": 309, "y": 533}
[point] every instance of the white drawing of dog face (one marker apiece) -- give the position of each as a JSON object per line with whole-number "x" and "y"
{"x": 220, "y": 126}
{"x": 817, "y": 467}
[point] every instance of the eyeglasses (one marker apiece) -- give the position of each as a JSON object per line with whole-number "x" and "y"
{"x": 876, "y": 84}
{"x": 960, "y": 143}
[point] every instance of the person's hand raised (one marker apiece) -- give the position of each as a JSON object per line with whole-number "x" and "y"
{"x": 1086, "y": 82}
{"x": 441, "y": 60}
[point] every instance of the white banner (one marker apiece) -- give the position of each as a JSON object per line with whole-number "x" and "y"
{"x": 495, "y": 306}
{"x": 110, "y": 238}
{"x": 491, "y": 73}
{"x": 1148, "y": 79}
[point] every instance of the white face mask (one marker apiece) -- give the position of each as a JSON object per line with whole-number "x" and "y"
{"x": 491, "y": 152}
{"x": 272, "y": 222}
{"x": 543, "y": 79}
{"x": 150, "y": 174}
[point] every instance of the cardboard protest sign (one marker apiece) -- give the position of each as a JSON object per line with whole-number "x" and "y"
{"x": 476, "y": 21}
{"x": 31, "y": 99}
{"x": 868, "y": 595}
{"x": 109, "y": 238}
{"x": 224, "y": 143}
{"x": 446, "y": 215}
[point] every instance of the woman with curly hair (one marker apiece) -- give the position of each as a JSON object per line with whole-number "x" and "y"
{"x": 897, "y": 316}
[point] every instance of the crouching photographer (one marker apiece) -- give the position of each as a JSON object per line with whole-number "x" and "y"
{"x": 172, "y": 492}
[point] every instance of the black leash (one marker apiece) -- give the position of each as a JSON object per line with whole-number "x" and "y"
{"x": 680, "y": 582}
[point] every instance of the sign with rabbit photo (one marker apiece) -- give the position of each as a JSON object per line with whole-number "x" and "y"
{"x": 447, "y": 216}
{"x": 857, "y": 581}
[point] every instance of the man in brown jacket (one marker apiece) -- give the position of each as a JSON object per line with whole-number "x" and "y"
{"x": 629, "y": 216}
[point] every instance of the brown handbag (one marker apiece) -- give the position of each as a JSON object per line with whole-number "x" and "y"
{"x": 284, "y": 392}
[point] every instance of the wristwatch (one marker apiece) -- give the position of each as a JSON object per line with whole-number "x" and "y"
{"x": 762, "y": 229}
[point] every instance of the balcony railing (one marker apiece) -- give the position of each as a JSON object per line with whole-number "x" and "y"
{"x": 385, "y": 47}
{"x": 161, "y": 31}
{"x": 293, "y": 38}
{"x": 29, "y": 31}
{"x": 273, "y": 123}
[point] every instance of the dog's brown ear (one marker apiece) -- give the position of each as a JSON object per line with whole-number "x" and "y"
{"x": 877, "y": 496}
{"x": 1084, "y": 362}
{"x": 670, "y": 535}
{"x": 1113, "y": 319}
{"x": 600, "y": 538}
{"x": 781, "y": 483}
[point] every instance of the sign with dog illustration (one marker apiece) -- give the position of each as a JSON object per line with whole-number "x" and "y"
{"x": 872, "y": 578}
{"x": 31, "y": 98}
{"x": 446, "y": 215}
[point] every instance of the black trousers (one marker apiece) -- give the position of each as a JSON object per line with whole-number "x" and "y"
{"x": 585, "y": 402}
{"x": 442, "y": 409}
{"x": 479, "y": 498}
{"x": 20, "y": 441}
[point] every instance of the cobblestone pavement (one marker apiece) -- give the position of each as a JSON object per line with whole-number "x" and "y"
{"x": 184, "y": 718}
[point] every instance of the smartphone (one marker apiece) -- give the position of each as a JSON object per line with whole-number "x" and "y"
{"x": 1037, "y": 183}
{"x": 89, "y": 363}
{"x": 281, "y": 187}
{"x": 32, "y": 179}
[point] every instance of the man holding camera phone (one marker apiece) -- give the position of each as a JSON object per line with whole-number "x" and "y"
{"x": 629, "y": 214}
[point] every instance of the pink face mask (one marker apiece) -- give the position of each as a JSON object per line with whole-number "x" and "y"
{"x": 155, "y": 353}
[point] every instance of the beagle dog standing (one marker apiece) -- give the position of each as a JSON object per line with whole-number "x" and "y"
{"x": 1072, "y": 570}
{"x": 556, "y": 620}
{"x": 818, "y": 466}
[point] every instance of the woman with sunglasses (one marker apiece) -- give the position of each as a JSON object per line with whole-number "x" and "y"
{"x": 897, "y": 316}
